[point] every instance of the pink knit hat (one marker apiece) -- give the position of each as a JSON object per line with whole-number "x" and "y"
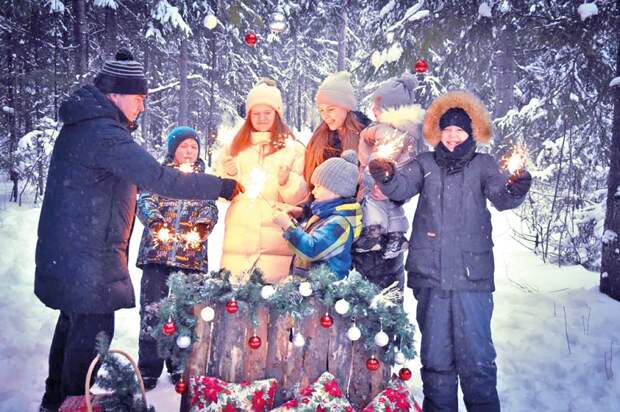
{"x": 265, "y": 92}
{"x": 337, "y": 90}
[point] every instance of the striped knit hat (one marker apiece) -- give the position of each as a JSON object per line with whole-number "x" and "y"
{"x": 123, "y": 75}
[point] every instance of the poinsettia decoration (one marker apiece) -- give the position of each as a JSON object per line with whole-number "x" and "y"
{"x": 213, "y": 394}
{"x": 395, "y": 398}
{"x": 322, "y": 395}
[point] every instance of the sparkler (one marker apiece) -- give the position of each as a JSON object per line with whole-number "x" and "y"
{"x": 515, "y": 160}
{"x": 388, "y": 146}
{"x": 165, "y": 235}
{"x": 192, "y": 239}
{"x": 258, "y": 178}
{"x": 186, "y": 168}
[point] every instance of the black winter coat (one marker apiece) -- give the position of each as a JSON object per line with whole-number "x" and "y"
{"x": 89, "y": 206}
{"x": 451, "y": 246}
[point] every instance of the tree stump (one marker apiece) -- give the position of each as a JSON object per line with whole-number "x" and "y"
{"x": 222, "y": 351}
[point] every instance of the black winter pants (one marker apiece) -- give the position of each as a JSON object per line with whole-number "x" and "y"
{"x": 72, "y": 351}
{"x": 457, "y": 345}
{"x": 153, "y": 288}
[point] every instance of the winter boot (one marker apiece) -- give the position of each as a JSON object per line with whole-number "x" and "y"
{"x": 370, "y": 240}
{"x": 396, "y": 244}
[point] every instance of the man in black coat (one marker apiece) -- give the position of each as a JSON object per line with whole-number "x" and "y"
{"x": 88, "y": 213}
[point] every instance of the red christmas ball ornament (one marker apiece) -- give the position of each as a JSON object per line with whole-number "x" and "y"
{"x": 181, "y": 386}
{"x": 421, "y": 66}
{"x": 327, "y": 321}
{"x": 372, "y": 364}
{"x": 169, "y": 328}
{"x": 250, "y": 38}
{"x": 254, "y": 342}
{"x": 404, "y": 374}
{"x": 232, "y": 306}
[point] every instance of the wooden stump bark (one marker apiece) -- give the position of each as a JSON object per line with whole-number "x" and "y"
{"x": 222, "y": 351}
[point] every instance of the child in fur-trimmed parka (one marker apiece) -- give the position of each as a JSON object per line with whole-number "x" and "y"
{"x": 336, "y": 218}
{"x": 395, "y": 137}
{"x": 187, "y": 224}
{"x": 450, "y": 261}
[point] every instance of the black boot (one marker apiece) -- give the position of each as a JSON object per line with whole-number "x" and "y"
{"x": 396, "y": 244}
{"x": 370, "y": 240}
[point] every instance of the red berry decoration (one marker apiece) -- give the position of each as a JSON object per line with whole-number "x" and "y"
{"x": 254, "y": 342}
{"x": 169, "y": 328}
{"x": 372, "y": 364}
{"x": 250, "y": 38}
{"x": 232, "y": 306}
{"x": 181, "y": 386}
{"x": 421, "y": 66}
{"x": 327, "y": 321}
{"x": 404, "y": 374}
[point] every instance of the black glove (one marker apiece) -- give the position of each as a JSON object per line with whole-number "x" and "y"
{"x": 204, "y": 229}
{"x": 519, "y": 183}
{"x": 230, "y": 189}
{"x": 382, "y": 170}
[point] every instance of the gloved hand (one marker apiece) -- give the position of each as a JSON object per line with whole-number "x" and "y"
{"x": 230, "y": 166}
{"x": 291, "y": 210}
{"x": 282, "y": 219}
{"x": 230, "y": 189}
{"x": 283, "y": 174}
{"x": 519, "y": 183}
{"x": 204, "y": 230}
{"x": 382, "y": 170}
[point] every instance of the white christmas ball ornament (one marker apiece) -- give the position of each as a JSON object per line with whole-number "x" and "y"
{"x": 184, "y": 341}
{"x": 299, "y": 340}
{"x": 207, "y": 314}
{"x": 267, "y": 291}
{"x": 210, "y": 22}
{"x": 354, "y": 333}
{"x": 381, "y": 338}
{"x": 305, "y": 289}
{"x": 399, "y": 358}
{"x": 342, "y": 307}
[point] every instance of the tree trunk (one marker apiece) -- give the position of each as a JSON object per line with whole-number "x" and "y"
{"x": 505, "y": 77}
{"x": 110, "y": 32}
{"x": 222, "y": 351}
{"x": 610, "y": 264}
{"x": 79, "y": 37}
{"x": 183, "y": 89}
{"x": 342, "y": 36}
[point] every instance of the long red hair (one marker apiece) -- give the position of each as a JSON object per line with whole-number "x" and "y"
{"x": 318, "y": 149}
{"x": 279, "y": 133}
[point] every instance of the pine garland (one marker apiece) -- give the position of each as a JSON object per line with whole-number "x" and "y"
{"x": 371, "y": 309}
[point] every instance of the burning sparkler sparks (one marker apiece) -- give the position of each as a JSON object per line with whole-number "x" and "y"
{"x": 186, "y": 168}
{"x": 515, "y": 160}
{"x": 192, "y": 239}
{"x": 258, "y": 178}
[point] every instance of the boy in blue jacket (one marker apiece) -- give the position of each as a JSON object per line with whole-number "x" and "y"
{"x": 450, "y": 261}
{"x": 335, "y": 222}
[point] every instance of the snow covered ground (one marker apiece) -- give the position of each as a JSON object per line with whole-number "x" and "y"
{"x": 557, "y": 337}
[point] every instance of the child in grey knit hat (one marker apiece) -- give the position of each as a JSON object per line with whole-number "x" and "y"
{"x": 336, "y": 219}
{"x": 394, "y": 136}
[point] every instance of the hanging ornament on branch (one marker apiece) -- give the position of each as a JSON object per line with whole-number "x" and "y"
{"x": 169, "y": 328}
{"x": 327, "y": 321}
{"x": 399, "y": 358}
{"x": 354, "y": 333}
{"x": 181, "y": 386}
{"x": 299, "y": 340}
{"x": 254, "y": 342}
{"x": 372, "y": 364}
{"x": 267, "y": 291}
{"x": 421, "y": 66}
{"x": 342, "y": 307}
{"x": 404, "y": 374}
{"x": 210, "y": 22}
{"x": 305, "y": 289}
{"x": 184, "y": 341}
{"x": 232, "y": 306}
{"x": 278, "y": 22}
{"x": 207, "y": 314}
{"x": 381, "y": 338}
{"x": 250, "y": 38}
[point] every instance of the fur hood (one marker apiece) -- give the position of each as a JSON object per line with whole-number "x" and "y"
{"x": 405, "y": 118}
{"x": 480, "y": 121}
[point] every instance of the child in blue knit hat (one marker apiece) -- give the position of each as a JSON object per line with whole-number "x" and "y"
{"x": 174, "y": 239}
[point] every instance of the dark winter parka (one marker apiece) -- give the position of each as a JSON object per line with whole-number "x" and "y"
{"x": 181, "y": 216}
{"x": 451, "y": 246}
{"x": 89, "y": 206}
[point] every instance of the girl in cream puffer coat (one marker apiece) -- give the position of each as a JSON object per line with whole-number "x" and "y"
{"x": 268, "y": 161}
